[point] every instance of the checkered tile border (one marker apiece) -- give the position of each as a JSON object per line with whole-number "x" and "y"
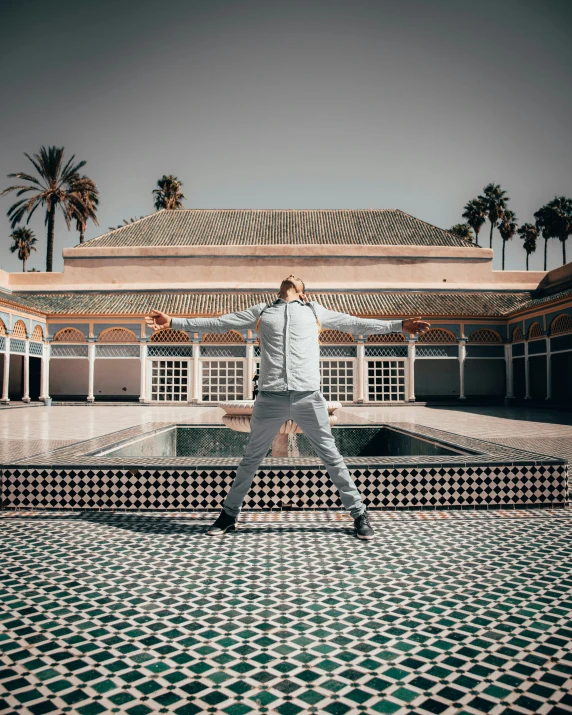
{"x": 310, "y": 488}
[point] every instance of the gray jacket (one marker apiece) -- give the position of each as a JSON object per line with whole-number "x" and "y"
{"x": 289, "y": 345}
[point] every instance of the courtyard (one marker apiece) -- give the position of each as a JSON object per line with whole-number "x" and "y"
{"x": 446, "y": 611}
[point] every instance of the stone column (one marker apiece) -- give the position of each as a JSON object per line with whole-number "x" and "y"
{"x": 462, "y": 358}
{"x": 508, "y": 368}
{"x": 526, "y": 372}
{"x": 360, "y": 370}
{"x": 6, "y": 379}
{"x": 411, "y": 365}
{"x": 143, "y": 370}
{"x": 45, "y": 372}
{"x": 196, "y": 372}
{"x": 548, "y": 368}
{"x": 249, "y": 372}
{"x": 91, "y": 369}
{"x": 26, "y": 371}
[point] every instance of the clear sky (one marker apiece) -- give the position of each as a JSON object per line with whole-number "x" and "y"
{"x": 410, "y": 104}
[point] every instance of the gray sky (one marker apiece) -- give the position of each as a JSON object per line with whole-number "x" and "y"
{"x": 410, "y": 104}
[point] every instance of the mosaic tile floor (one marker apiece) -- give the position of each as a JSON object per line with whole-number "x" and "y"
{"x": 443, "y": 613}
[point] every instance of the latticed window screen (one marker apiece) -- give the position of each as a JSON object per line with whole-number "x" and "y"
{"x": 338, "y": 379}
{"x": 222, "y": 380}
{"x": 517, "y": 334}
{"x": 535, "y": 331}
{"x": 386, "y": 380}
{"x": 170, "y": 380}
{"x": 117, "y": 335}
{"x": 2, "y": 343}
{"x": 437, "y": 335}
{"x": 65, "y": 351}
{"x": 484, "y": 335}
{"x": 231, "y": 337}
{"x": 2, "y": 327}
{"x": 170, "y": 336}
{"x": 386, "y": 338}
{"x": 69, "y": 335}
{"x": 386, "y": 350}
{"x": 117, "y": 351}
{"x": 38, "y": 333}
{"x": 561, "y": 324}
{"x": 335, "y": 336}
{"x": 36, "y": 349}
{"x": 19, "y": 330}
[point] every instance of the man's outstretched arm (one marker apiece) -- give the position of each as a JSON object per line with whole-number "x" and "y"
{"x": 240, "y": 321}
{"x": 332, "y": 320}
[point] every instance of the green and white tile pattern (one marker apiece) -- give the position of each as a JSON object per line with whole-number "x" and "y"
{"x": 447, "y": 612}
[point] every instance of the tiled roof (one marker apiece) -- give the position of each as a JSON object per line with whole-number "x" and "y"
{"x": 247, "y": 227}
{"x": 358, "y": 303}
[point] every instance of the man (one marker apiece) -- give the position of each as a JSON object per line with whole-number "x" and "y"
{"x": 289, "y": 386}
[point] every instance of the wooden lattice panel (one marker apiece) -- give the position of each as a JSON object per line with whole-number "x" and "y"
{"x": 485, "y": 335}
{"x": 231, "y": 337}
{"x": 117, "y": 335}
{"x": 2, "y": 327}
{"x": 437, "y": 335}
{"x": 535, "y": 331}
{"x": 168, "y": 335}
{"x": 19, "y": 330}
{"x": 335, "y": 336}
{"x": 69, "y": 335}
{"x": 38, "y": 333}
{"x": 517, "y": 335}
{"x": 561, "y": 324}
{"x": 388, "y": 338}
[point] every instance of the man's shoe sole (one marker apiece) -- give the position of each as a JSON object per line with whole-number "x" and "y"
{"x": 222, "y": 532}
{"x": 365, "y": 538}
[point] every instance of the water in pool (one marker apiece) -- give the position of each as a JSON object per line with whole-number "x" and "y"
{"x": 213, "y": 441}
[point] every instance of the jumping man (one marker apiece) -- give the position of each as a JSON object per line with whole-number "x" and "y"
{"x": 289, "y": 385}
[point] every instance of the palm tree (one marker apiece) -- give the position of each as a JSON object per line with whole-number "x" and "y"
{"x": 529, "y": 234}
{"x": 50, "y": 189}
{"x": 554, "y": 219}
{"x": 475, "y": 215}
{"x": 169, "y": 194}
{"x": 23, "y": 241}
{"x": 83, "y": 203}
{"x": 462, "y": 230}
{"x": 507, "y": 228}
{"x": 494, "y": 200}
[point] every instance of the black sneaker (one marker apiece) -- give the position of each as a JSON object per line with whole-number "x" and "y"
{"x": 362, "y": 527}
{"x": 224, "y": 523}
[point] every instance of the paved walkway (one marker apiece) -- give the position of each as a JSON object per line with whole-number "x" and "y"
{"x": 25, "y": 432}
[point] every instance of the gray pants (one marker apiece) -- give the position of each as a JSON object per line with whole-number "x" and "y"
{"x": 309, "y": 410}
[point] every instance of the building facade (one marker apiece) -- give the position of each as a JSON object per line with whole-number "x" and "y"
{"x": 80, "y": 334}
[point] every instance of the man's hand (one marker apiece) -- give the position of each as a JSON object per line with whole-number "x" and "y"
{"x": 158, "y": 320}
{"x": 415, "y": 326}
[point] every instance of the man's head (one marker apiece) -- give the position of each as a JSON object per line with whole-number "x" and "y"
{"x": 292, "y": 284}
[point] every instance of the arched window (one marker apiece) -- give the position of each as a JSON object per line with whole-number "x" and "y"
{"x": 38, "y": 333}
{"x": 117, "y": 335}
{"x": 386, "y": 338}
{"x": 517, "y": 335}
{"x": 561, "y": 324}
{"x": 19, "y": 330}
{"x": 168, "y": 335}
{"x": 535, "y": 331}
{"x": 336, "y": 336}
{"x": 485, "y": 335}
{"x": 2, "y": 327}
{"x": 231, "y": 337}
{"x": 437, "y": 335}
{"x": 69, "y": 335}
